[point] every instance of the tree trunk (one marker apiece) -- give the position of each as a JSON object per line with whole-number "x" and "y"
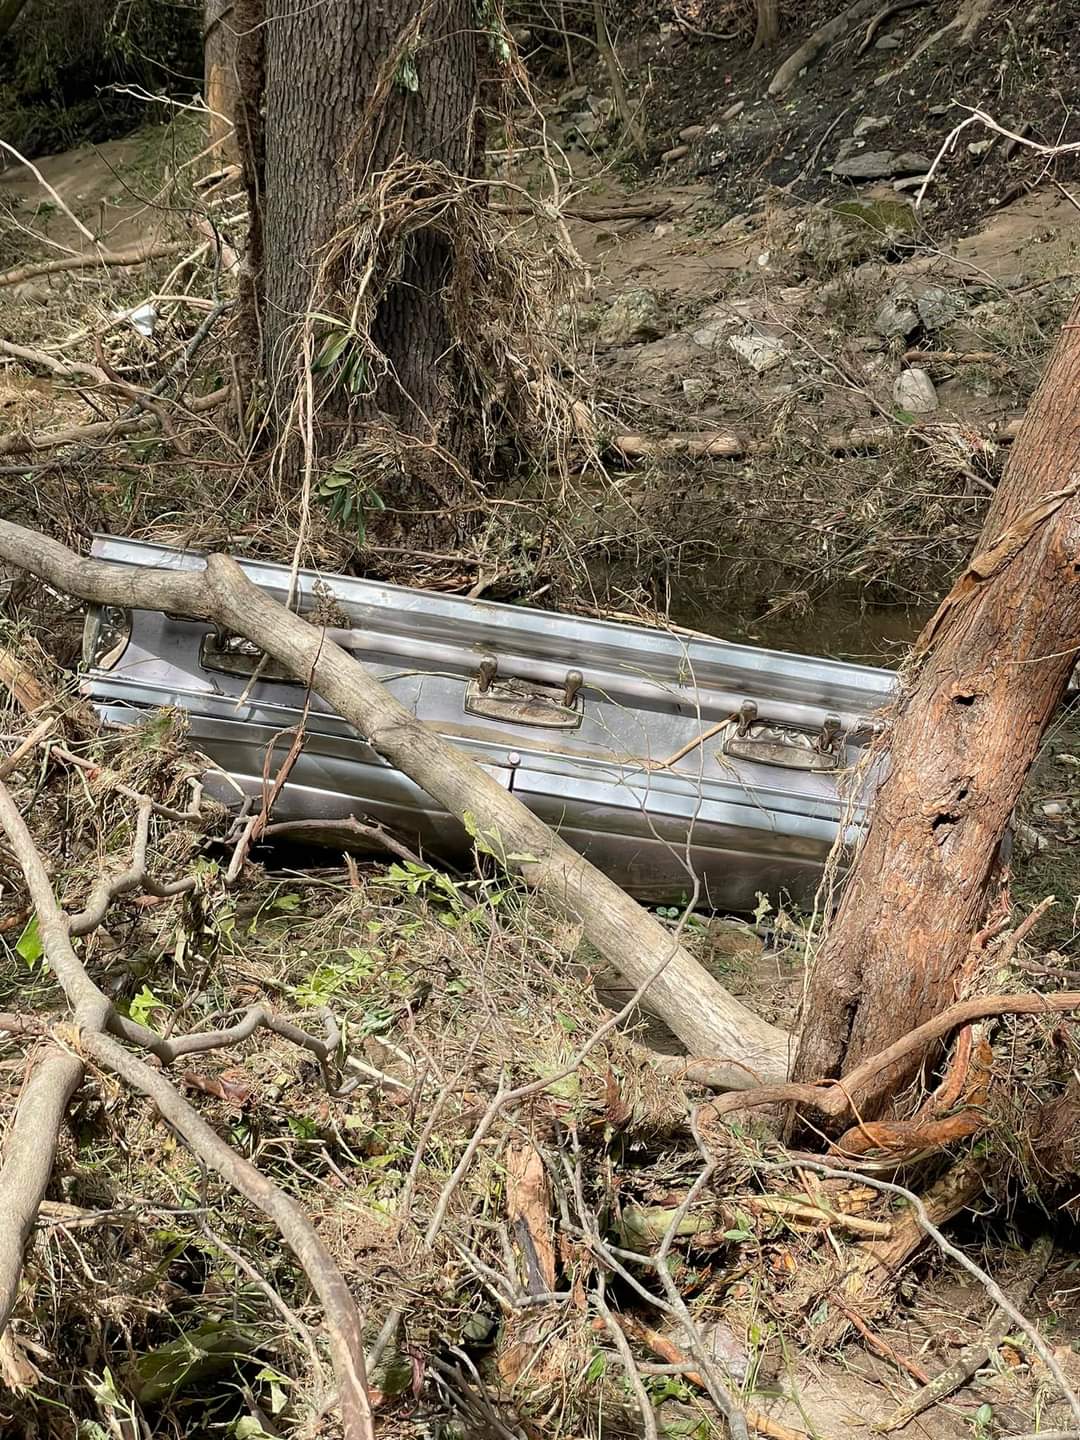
{"x": 989, "y": 672}
{"x": 768, "y": 24}
{"x": 344, "y": 100}
{"x": 219, "y": 78}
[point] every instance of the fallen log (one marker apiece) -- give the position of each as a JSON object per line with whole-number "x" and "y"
{"x": 697, "y": 1008}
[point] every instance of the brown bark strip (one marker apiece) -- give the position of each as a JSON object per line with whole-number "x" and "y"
{"x": 528, "y": 1203}
{"x": 701, "y": 1012}
{"x": 994, "y": 663}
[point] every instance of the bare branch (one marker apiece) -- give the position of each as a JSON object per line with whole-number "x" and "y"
{"x": 29, "y": 1155}
{"x": 633, "y": 1375}
{"x": 992, "y": 1288}
{"x": 135, "y": 877}
{"x": 137, "y": 255}
{"x": 30, "y": 742}
{"x": 835, "y": 1098}
{"x": 31, "y": 1149}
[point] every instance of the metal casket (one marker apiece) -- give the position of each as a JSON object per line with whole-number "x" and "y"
{"x": 664, "y": 758}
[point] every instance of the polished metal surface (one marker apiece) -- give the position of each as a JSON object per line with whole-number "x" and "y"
{"x": 636, "y": 744}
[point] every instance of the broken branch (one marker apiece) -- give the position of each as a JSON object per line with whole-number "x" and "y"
{"x": 137, "y": 255}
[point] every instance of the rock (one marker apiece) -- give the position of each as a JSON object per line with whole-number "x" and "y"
{"x": 664, "y": 358}
{"x": 585, "y": 123}
{"x": 937, "y": 306}
{"x": 696, "y": 389}
{"x": 631, "y": 318}
{"x": 870, "y": 165}
{"x": 914, "y": 391}
{"x": 891, "y": 220}
{"x": 887, "y": 42}
{"x": 691, "y": 133}
{"x": 733, "y": 110}
{"x": 869, "y": 123}
{"x": 879, "y": 165}
{"x": 32, "y": 292}
{"x": 677, "y": 152}
{"x": 897, "y": 317}
{"x": 761, "y": 352}
{"x": 714, "y": 330}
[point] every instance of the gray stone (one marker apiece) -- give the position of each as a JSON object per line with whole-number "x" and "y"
{"x": 869, "y": 123}
{"x": 914, "y": 391}
{"x": 937, "y": 306}
{"x": 585, "y": 122}
{"x": 761, "y": 352}
{"x": 887, "y": 42}
{"x": 879, "y": 165}
{"x": 714, "y": 329}
{"x": 696, "y": 389}
{"x": 897, "y": 317}
{"x": 664, "y": 358}
{"x": 631, "y": 318}
{"x": 870, "y": 165}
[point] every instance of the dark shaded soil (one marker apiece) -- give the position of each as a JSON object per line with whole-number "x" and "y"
{"x": 1022, "y": 69}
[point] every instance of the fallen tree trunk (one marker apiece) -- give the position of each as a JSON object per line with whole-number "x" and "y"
{"x": 989, "y": 671}
{"x": 700, "y": 1011}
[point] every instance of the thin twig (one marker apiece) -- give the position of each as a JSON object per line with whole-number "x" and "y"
{"x": 992, "y": 1288}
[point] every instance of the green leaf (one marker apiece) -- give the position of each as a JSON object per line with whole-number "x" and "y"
{"x": 407, "y": 77}
{"x": 277, "y": 1383}
{"x": 302, "y": 1127}
{"x": 143, "y": 1005}
{"x": 29, "y": 944}
{"x": 330, "y": 351}
{"x": 357, "y": 375}
{"x": 248, "y": 1428}
{"x": 597, "y": 1367}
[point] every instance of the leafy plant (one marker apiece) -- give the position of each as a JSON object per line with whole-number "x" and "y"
{"x": 348, "y": 499}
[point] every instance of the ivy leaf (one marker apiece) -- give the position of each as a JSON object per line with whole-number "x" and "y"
{"x": 29, "y": 944}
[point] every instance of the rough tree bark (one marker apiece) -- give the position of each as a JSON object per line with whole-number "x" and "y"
{"x": 345, "y": 97}
{"x": 989, "y": 671}
{"x": 219, "y": 77}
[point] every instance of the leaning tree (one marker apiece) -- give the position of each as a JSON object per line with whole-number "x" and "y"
{"x": 987, "y": 675}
